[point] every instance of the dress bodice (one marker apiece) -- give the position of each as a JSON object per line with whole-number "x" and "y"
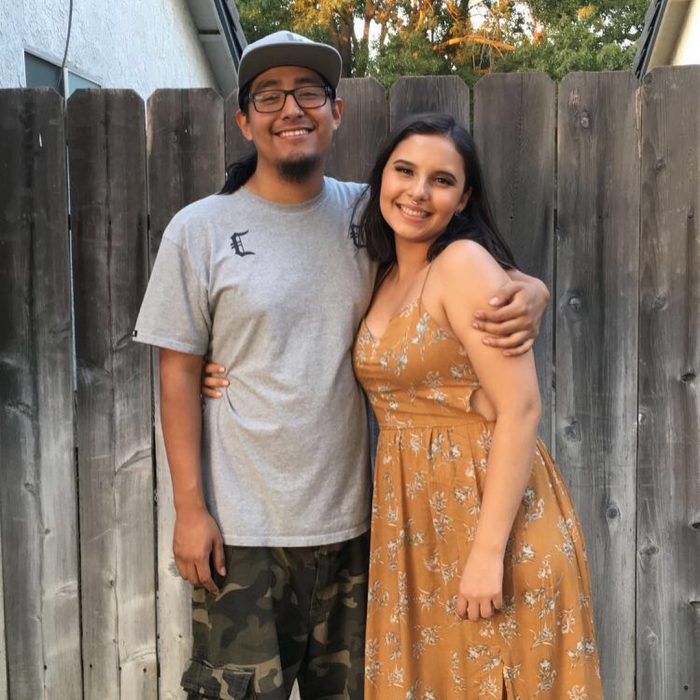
{"x": 417, "y": 374}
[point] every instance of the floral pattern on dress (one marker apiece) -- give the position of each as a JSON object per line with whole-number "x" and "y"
{"x": 430, "y": 471}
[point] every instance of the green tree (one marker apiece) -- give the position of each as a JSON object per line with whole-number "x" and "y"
{"x": 569, "y": 36}
{"x": 459, "y": 37}
{"x": 262, "y": 17}
{"x": 332, "y": 21}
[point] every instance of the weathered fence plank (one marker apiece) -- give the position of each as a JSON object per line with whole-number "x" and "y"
{"x": 185, "y": 163}
{"x": 668, "y": 532}
{"x": 3, "y": 653}
{"x": 38, "y": 494}
{"x": 596, "y": 347}
{"x": 364, "y": 126}
{"x": 514, "y": 128}
{"x": 236, "y": 145}
{"x": 445, "y": 93}
{"x": 107, "y": 166}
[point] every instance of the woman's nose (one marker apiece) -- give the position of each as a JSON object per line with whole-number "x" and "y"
{"x": 419, "y": 190}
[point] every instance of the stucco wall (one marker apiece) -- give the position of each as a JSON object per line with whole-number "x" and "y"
{"x": 138, "y": 44}
{"x": 688, "y": 48}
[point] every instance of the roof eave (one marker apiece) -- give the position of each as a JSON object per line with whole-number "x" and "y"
{"x": 652, "y": 22}
{"x": 663, "y": 27}
{"x": 222, "y": 38}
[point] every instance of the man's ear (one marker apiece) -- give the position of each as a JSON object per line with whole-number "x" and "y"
{"x": 243, "y": 125}
{"x": 337, "y": 108}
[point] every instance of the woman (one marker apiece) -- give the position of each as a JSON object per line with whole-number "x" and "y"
{"x": 478, "y": 580}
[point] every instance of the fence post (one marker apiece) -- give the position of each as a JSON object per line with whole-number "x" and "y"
{"x": 364, "y": 125}
{"x": 185, "y": 163}
{"x": 668, "y": 532}
{"x": 596, "y": 343}
{"x": 107, "y": 158}
{"x": 435, "y": 93}
{"x": 514, "y": 129}
{"x": 3, "y": 653}
{"x": 38, "y": 494}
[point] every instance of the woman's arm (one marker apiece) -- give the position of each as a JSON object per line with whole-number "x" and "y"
{"x": 466, "y": 273}
{"x": 213, "y": 380}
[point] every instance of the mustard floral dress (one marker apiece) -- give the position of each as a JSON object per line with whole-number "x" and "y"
{"x": 430, "y": 471}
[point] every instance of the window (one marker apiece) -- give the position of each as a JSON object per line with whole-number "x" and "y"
{"x": 77, "y": 82}
{"x": 43, "y": 73}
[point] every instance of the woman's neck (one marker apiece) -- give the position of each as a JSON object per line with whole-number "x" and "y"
{"x": 411, "y": 258}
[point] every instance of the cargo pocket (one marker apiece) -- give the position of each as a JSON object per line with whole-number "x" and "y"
{"x": 227, "y": 682}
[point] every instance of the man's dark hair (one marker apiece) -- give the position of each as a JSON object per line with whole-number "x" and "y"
{"x": 475, "y": 222}
{"x": 238, "y": 173}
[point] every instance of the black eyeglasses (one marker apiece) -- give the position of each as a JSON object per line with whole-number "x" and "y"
{"x": 307, "y": 97}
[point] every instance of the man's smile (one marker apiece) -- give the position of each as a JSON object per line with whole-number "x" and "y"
{"x": 297, "y": 132}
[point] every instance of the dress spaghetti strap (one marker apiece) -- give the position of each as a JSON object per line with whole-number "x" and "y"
{"x": 425, "y": 279}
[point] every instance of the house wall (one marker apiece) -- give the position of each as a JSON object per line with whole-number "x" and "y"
{"x": 688, "y": 48}
{"x": 137, "y": 44}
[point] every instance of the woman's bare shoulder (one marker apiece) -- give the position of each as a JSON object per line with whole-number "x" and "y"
{"x": 466, "y": 261}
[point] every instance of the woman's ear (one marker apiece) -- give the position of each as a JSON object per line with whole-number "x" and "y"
{"x": 464, "y": 200}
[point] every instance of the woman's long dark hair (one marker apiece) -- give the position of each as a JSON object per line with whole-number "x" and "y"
{"x": 475, "y": 222}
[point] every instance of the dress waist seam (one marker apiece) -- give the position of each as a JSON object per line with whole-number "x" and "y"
{"x": 431, "y": 426}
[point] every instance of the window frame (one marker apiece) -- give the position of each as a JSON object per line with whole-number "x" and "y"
{"x": 68, "y": 69}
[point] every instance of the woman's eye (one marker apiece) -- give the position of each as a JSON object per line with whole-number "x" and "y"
{"x": 404, "y": 170}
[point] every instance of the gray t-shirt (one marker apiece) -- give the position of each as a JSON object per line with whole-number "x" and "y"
{"x": 275, "y": 293}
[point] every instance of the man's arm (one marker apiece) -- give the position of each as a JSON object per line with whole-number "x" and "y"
{"x": 196, "y": 534}
{"x": 513, "y": 320}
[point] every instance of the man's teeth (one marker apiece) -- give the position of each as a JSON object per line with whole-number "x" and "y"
{"x": 293, "y": 133}
{"x": 413, "y": 212}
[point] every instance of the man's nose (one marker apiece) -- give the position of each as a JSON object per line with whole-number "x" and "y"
{"x": 290, "y": 106}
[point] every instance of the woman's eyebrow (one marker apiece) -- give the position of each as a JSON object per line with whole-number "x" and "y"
{"x": 446, "y": 173}
{"x": 441, "y": 173}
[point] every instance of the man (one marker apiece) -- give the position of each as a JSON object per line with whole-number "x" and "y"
{"x": 271, "y": 484}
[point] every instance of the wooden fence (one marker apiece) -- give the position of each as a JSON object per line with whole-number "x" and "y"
{"x": 595, "y": 182}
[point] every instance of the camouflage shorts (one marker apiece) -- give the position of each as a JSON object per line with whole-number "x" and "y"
{"x": 283, "y": 613}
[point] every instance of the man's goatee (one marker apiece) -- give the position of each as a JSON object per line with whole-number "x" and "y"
{"x": 299, "y": 170}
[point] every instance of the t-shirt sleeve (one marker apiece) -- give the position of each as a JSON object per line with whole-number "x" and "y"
{"x": 175, "y": 310}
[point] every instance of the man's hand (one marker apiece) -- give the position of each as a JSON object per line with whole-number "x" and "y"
{"x": 513, "y": 321}
{"x": 195, "y": 539}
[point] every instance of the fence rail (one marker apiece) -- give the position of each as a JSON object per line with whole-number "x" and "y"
{"x": 596, "y": 184}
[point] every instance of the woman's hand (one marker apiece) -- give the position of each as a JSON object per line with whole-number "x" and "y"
{"x": 513, "y": 321}
{"x": 213, "y": 379}
{"x": 481, "y": 586}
